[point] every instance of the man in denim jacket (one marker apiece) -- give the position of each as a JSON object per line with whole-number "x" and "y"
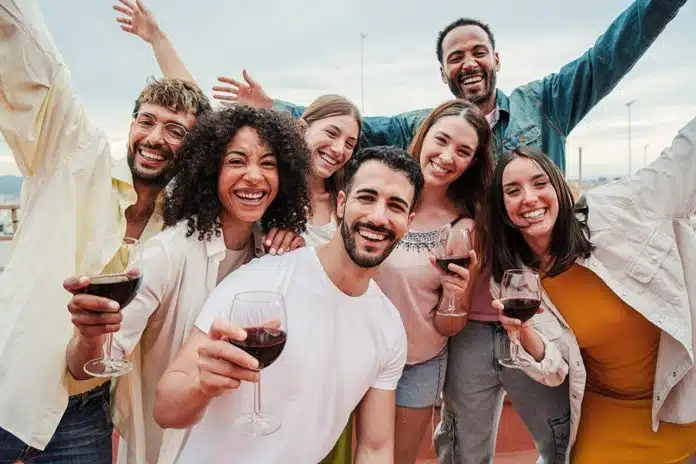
{"x": 543, "y": 112}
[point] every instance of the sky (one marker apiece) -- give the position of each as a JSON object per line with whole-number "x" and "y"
{"x": 300, "y": 50}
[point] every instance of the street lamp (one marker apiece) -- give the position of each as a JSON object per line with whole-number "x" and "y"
{"x": 362, "y": 72}
{"x": 628, "y": 106}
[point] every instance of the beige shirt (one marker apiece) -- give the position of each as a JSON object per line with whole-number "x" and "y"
{"x": 179, "y": 274}
{"x": 646, "y": 254}
{"x": 73, "y": 192}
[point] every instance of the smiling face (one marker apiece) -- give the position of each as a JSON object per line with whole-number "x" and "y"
{"x": 531, "y": 202}
{"x": 248, "y": 179}
{"x": 470, "y": 65}
{"x": 376, "y": 212}
{"x": 155, "y": 135}
{"x": 448, "y": 150}
{"x": 332, "y": 141}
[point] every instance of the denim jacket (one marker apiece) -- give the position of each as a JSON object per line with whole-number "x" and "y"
{"x": 646, "y": 254}
{"x": 543, "y": 112}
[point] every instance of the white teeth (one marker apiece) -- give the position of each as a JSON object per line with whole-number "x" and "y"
{"x": 371, "y": 235}
{"x": 253, "y": 196}
{"x": 438, "y": 168}
{"x": 151, "y": 156}
{"x": 472, "y": 80}
{"x": 536, "y": 214}
{"x": 328, "y": 159}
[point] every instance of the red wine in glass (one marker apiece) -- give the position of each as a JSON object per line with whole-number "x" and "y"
{"x": 459, "y": 261}
{"x": 520, "y": 293}
{"x": 263, "y": 343}
{"x": 114, "y": 274}
{"x": 121, "y": 288}
{"x": 520, "y": 308}
{"x": 264, "y": 315}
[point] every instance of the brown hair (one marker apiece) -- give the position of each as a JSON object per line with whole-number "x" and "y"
{"x": 569, "y": 237}
{"x": 468, "y": 191}
{"x": 174, "y": 94}
{"x": 328, "y": 106}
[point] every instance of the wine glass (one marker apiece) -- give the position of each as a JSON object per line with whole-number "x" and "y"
{"x": 263, "y": 316}
{"x": 453, "y": 246}
{"x": 115, "y": 275}
{"x": 520, "y": 293}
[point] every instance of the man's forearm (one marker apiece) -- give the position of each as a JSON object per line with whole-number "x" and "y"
{"x": 179, "y": 401}
{"x": 80, "y": 351}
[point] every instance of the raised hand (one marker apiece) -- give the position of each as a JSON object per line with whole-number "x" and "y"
{"x": 249, "y": 92}
{"x": 138, "y": 20}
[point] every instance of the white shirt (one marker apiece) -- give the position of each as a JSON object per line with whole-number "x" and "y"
{"x": 646, "y": 254}
{"x": 338, "y": 347}
{"x": 73, "y": 191}
{"x": 179, "y": 273}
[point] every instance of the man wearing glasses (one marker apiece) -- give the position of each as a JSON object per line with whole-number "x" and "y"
{"x": 74, "y": 191}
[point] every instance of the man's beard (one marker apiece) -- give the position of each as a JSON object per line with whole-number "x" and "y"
{"x": 490, "y": 78}
{"x": 365, "y": 262}
{"x": 155, "y": 179}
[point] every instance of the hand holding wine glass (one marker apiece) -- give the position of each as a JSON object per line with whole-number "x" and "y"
{"x": 111, "y": 279}
{"x": 520, "y": 300}
{"x": 453, "y": 254}
{"x": 263, "y": 317}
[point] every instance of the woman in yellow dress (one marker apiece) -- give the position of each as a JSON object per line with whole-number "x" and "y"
{"x": 618, "y": 302}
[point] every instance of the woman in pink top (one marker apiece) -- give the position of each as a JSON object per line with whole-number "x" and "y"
{"x": 453, "y": 149}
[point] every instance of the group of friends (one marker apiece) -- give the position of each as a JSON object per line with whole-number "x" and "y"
{"x": 339, "y": 214}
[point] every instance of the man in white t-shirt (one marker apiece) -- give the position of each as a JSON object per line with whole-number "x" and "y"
{"x": 346, "y": 344}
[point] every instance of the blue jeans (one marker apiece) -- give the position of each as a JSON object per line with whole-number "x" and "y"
{"x": 83, "y": 435}
{"x": 420, "y": 384}
{"x": 473, "y": 401}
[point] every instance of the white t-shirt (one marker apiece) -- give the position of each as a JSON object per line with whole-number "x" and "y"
{"x": 338, "y": 347}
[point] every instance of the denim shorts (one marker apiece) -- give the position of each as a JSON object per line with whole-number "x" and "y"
{"x": 421, "y": 384}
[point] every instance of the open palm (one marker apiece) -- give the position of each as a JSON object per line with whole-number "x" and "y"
{"x": 138, "y": 19}
{"x": 248, "y": 93}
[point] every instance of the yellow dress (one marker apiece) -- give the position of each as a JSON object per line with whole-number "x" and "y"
{"x": 619, "y": 348}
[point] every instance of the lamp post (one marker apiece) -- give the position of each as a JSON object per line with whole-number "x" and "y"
{"x": 628, "y": 106}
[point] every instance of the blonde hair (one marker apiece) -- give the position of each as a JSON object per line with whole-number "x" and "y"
{"x": 174, "y": 94}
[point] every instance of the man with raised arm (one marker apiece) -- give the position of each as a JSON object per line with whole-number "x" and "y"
{"x": 74, "y": 191}
{"x": 541, "y": 113}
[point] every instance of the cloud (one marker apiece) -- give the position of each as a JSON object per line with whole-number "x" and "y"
{"x": 299, "y": 51}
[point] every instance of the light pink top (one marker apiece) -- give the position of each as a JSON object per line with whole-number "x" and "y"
{"x": 481, "y": 299}
{"x": 413, "y": 285}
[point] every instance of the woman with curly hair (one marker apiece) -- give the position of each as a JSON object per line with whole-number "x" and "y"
{"x": 331, "y": 129}
{"x": 241, "y": 172}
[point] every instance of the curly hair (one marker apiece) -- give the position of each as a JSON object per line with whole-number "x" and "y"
{"x": 193, "y": 195}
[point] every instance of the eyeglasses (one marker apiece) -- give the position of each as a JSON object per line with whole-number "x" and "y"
{"x": 172, "y": 132}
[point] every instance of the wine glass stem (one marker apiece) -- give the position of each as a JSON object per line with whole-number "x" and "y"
{"x": 452, "y": 302}
{"x": 107, "y": 346}
{"x": 514, "y": 346}
{"x": 257, "y": 397}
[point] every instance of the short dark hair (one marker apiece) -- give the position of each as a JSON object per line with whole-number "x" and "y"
{"x": 194, "y": 194}
{"x": 569, "y": 238}
{"x": 394, "y": 158}
{"x": 460, "y": 23}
